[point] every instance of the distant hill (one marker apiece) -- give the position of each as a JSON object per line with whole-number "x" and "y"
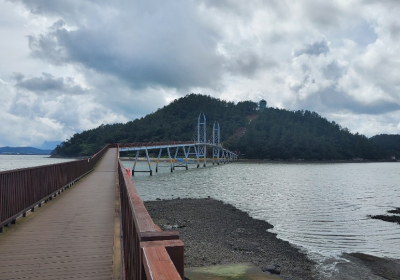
{"x": 390, "y": 143}
{"x": 23, "y": 151}
{"x": 268, "y": 134}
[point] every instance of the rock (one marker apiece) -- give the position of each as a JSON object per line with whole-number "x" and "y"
{"x": 272, "y": 268}
{"x": 387, "y": 218}
{"x": 169, "y": 227}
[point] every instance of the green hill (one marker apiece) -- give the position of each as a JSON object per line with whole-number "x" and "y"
{"x": 283, "y": 134}
{"x": 272, "y": 133}
{"x": 390, "y": 143}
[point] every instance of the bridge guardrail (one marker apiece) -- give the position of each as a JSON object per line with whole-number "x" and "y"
{"x": 148, "y": 252}
{"x": 23, "y": 189}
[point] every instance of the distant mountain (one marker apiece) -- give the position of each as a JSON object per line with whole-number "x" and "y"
{"x": 261, "y": 134}
{"x": 23, "y": 151}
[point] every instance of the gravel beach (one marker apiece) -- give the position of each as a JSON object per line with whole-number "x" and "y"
{"x": 217, "y": 233}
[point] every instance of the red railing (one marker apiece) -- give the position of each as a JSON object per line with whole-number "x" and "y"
{"x": 22, "y": 190}
{"x": 152, "y": 144}
{"x": 148, "y": 252}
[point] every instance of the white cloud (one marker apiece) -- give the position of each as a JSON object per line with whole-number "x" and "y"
{"x": 72, "y": 65}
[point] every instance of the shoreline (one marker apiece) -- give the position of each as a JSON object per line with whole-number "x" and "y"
{"x": 216, "y": 233}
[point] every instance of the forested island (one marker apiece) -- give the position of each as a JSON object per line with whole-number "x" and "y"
{"x": 255, "y": 134}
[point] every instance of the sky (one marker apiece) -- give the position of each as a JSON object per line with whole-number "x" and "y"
{"x": 69, "y": 66}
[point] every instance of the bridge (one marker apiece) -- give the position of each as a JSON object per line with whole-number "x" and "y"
{"x": 190, "y": 151}
{"x": 85, "y": 220}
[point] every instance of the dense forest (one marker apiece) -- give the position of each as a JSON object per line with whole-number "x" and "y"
{"x": 283, "y": 134}
{"x": 268, "y": 134}
{"x": 174, "y": 122}
{"x": 390, "y": 143}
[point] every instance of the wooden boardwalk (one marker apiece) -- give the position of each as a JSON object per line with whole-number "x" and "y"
{"x": 71, "y": 237}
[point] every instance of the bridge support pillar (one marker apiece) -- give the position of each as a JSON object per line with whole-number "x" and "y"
{"x": 148, "y": 162}
{"x": 158, "y": 159}
{"x": 170, "y": 160}
{"x": 186, "y": 152}
{"x": 134, "y": 163}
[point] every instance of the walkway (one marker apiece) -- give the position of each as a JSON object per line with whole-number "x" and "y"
{"x": 71, "y": 237}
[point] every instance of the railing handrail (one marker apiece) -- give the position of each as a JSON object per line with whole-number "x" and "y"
{"x": 145, "y": 222}
{"x": 101, "y": 152}
{"x": 23, "y": 189}
{"x": 139, "y": 233}
{"x": 157, "y": 263}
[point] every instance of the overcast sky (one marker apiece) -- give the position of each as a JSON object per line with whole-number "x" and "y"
{"x": 68, "y": 66}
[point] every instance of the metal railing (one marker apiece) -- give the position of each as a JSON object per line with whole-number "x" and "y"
{"x": 147, "y": 252}
{"x": 21, "y": 190}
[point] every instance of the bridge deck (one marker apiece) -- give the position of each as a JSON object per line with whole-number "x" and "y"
{"x": 71, "y": 237}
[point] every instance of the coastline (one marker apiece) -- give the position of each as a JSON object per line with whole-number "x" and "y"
{"x": 217, "y": 233}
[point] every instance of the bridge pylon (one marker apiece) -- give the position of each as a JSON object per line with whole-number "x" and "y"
{"x": 215, "y": 140}
{"x": 201, "y": 139}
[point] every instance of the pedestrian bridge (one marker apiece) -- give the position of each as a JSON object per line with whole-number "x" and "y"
{"x": 84, "y": 220}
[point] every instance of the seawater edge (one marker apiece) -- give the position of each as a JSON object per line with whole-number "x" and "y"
{"x": 322, "y": 208}
{"x": 216, "y": 233}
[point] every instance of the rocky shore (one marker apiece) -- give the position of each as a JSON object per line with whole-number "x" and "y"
{"x": 389, "y": 218}
{"x": 217, "y": 233}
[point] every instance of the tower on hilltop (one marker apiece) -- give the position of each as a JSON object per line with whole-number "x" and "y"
{"x": 262, "y": 104}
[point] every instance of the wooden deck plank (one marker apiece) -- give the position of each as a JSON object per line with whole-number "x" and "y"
{"x": 71, "y": 237}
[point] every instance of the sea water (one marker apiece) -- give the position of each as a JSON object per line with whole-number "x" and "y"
{"x": 321, "y": 208}
{"x": 9, "y": 162}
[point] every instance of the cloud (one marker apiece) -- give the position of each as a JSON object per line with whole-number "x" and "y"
{"x": 30, "y": 115}
{"x": 72, "y": 65}
{"x": 343, "y": 79}
{"x": 167, "y": 46}
{"x": 47, "y": 83}
{"x": 315, "y": 48}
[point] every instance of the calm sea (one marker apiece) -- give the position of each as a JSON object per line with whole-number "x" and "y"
{"x": 8, "y": 162}
{"x": 321, "y": 208}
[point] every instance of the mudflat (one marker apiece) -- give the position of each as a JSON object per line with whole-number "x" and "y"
{"x": 217, "y": 233}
